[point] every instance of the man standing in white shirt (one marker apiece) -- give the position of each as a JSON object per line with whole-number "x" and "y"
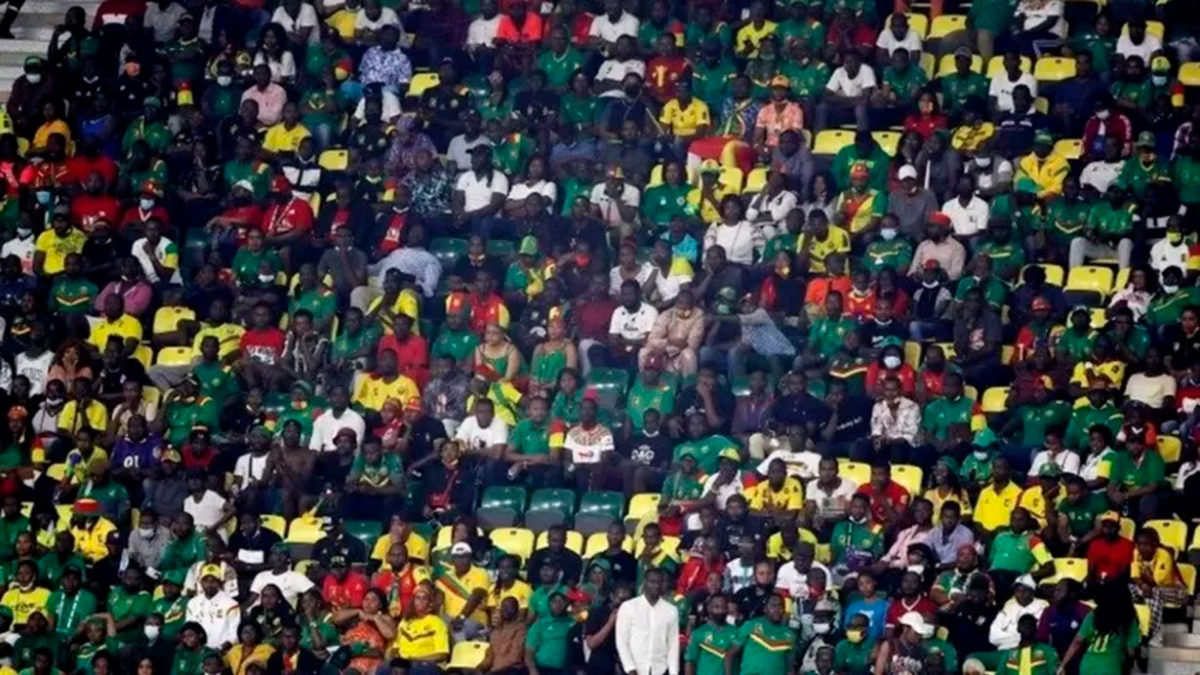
{"x": 648, "y": 631}
{"x": 848, "y": 89}
{"x": 339, "y": 416}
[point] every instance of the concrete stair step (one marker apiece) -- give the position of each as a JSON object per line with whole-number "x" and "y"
{"x": 20, "y": 46}
{"x": 40, "y": 34}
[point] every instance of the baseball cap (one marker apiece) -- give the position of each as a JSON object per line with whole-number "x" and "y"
{"x": 1110, "y": 515}
{"x": 1026, "y": 581}
{"x": 1043, "y": 137}
{"x": 212, "y": 571}
{"x": 529, "y": 245}
{"x": 731, "y": 454}
{"x": 907, "y": 171}
{"x": 781, "y": 81}
{"x": 915, "y": 621}
{"x": 461, "y": 548}
{"x": 984, "y": 438}
{"x": 1145, "y": 139}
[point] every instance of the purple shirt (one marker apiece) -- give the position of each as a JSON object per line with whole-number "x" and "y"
{"x": 136, "y": 455}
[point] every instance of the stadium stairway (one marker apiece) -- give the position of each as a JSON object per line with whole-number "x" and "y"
{"x": 33, "y": 29}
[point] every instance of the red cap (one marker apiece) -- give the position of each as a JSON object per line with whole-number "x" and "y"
{"x": 413, "y": 404}
{"x": 1040, "y": 303}
{"x": 939, "y": 218}
{"x": 280, "y": 183}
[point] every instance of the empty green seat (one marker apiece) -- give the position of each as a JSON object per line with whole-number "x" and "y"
{"x": 553, "y": 499}
{"x": 366, "y": 531}
{"x": 611, "y": 503}
{"x": 507, "y": 496}
{"x": 448, "y": 250}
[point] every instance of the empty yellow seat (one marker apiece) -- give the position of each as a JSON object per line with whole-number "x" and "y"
{"x": 1187, "y": 572}
{"x": 305, "y": 530}
{"x": 57, "y": 471}
{"x": 468, "y": 655}
{"x": 1068, "y": 568}
{"x": 995, "y": 399}
{"x": 947, "y": 24}
{"x": 928, "y": 64}
{"x": 1054, "y": 69}
{"x": 1170, "y": 447}
{"x": 275, "y": 523}
{"x": 422, "y": 82}
{"x": 889, "y": 141}
{"x": 732, "y": 177}
{"x": 756, "y": 181}
{"x": 175, "y": 356}
{"x": 334, "y": 159}
{"x": 1091, "y": 278}
{"x": 1071, "y": 148}
{"x": 144, "y": 355}
{"x": 912, "y": 354}
{"x": 166, "y": 319}
{"x": 909, "y": 476}
{"x": 516, "y": 541}
{"x": 1189, "y": 74}
{"x": 859, "y": 472}
{"x": 830, "y": 141}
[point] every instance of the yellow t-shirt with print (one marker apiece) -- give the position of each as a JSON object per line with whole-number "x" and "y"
{"x": 22, "y": 603}
{"x": 685, "y": 121}
{"x": 1161, "y": 568}
{"x": 422, "y": 637}
{"x": 519, "y": 591}
{"x": 372, "y": 391}
{"x": 343, "y": 22}
{"x": 229, "y": 337}
{"x": 789, "y": 497}
{"x": 56, "y": 248}
{"x": 416, "y": 545}
{"x": 456, "y": 591}
{"x": 92, "y": 543}
{"x": 125, "y": 327}
{"x": 709, "y": 213}
{"x": 749, "y": 36}
{"x": 837, "y": 241}
{"x": 993, "y": 508}
{"x": 281, "y": 139}
{"x": 71, "y": 419}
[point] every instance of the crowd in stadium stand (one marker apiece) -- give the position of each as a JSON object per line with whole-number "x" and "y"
{"x": 601, "y": 337}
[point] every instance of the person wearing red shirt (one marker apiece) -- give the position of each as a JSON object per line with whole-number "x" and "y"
{"x": 891, "y": 364}
{"x": 592, "y": 316}
{"x": 518, "y": 26}
{"x": 930, "y": 381}
{"x": 230, "y": 227}
{"x": 289, "y": 219}
{"x": 889, "y": 499}
{"x": 262, "y": 349}
{"x": 343, "y": 588}
{"x": 487, "y": 306}
{"x": 927, "y": 119}
{"x": 398, "y": 580}
{"x": 1109, "y": 555}
{"x": 94, "y": 205}
{"x": 147, "y": 208}
{"x": 665, "y": 69}
{"x": 412, "y": 351}
{"x": 393, "y": 224}
{"x": 909, "y": 598}
{"x": 694, "y": 575}
{"x": 88, "y": 161}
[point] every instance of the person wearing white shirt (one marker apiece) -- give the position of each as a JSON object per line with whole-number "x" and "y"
{"x": 251, "y": 467}
{"x": 968, "y": 213}
{"x": 615, "y": 201}
{"x": 829, "y": 493}
{"x": 482, "y": 31}
{"x": 372, "y": 17}
{"x": 648, "y": 631}
{"x": 20, "y": 246}
{"x": 339, "y": 416}
{"x": 459, "y": 150}
{"x": 163, "y": 251}
{"x": 482, "y": 430}
{"x": 480, "y": 192}
{"x": 520, "y": 191}
{"x": 848, "y": 89}
{"x": 289, "y": 582}
{"x": 1171, "y": 250}
{"x": 298, "y": 19}
{"x": 898, "y": 35}
{"x": 803, "y": 464}
{"x": 1003, "y": 631}
{"x": 207, "y": 508}
{"x": 630, "y": 325}
{"x": 772, "y": 205}
{"x": 611, "y": 76}
{"x": 216, "y": 612}
{"x": 1063, "y": 458}
{"x": 389, "y": 104}
{"x": 1137, "y": 42}
{"x": 742, "y": 240}
{"x": 614, "y": 23}
{"x": 1040, "y": 20}
{"x": 1001, "y": 90}
{"x": 1101, "y": 173}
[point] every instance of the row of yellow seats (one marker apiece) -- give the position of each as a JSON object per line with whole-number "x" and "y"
{"x": 948, "y": 24}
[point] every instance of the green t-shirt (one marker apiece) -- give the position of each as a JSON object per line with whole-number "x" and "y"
{"x": 69, "y": 612}
{"x": 50, "y": 567}
{"x": 246, "y": 264}
{"x": 1137, "y": 176}
{"x": 991, "y": 15}
{"x": 1140, "y": 94}
{"x": 1042, "y": 658}
{"x": 642, "y": 398}
{"x": 72, "y": 296}
{"x": 1102, "y": 49}
{"x": 1007, "y": 259}
{"x": 1132, "y": 474}
{"x": 681, "y": 487}
{"x": 858, "y": 540}
{"x": 896, "y": 254}
{"x": 257, "y": 173}
{"x": 83, "y": 653}
{"x": 1087, "y": 417}
{"x": 706, "y": 451}
{"x": 957, "y": 90}
{"x": 459, "y": 345}
{"x": 905, "y": 85}
{"x": 321, "y": 302}
{"x": 9, "y": 530}
{"x": 1081, "y": 516}
{"x": 547, "y": 637}
{"x": 941, "y": 413}
{"x": 1075, "y": 346}
{"x": 1035, "y": 420}
{"x": 1015, "y": 552}
{"x": 825, "y": 335}
{"x": 1166, "y": 309}
{"x": 181, "y": 554}
{"x": 1106, "y": 653}
{"x": 1185, "y": 174}
{"x": 559, "y": 67}
{"x": 583, "y": 113}
{"x": 124, "y": 605}
{"x": 766, "y": 647}
{"x": 694, "y": 35}
{"x": 994, "y": 290}
{"x": 808, "y": 79}
{"x": 216, "y": 381}
{"x": 1066, "y": 219}
{"x": 386, "y": 470}
{"x": 711, "y": 84}
{"x": 347, "y": 343}
{"x": 707, "y": 647}
{"x": 530, "y": 438}
{"x": 191, "y": 662}
{"x": 662, "y": 203}
{"x": 156, "y": 135}
{"x": 539, "y": 600}
{"x": 174, "y": 615}
{"x": 806, "y": 31}
{"x": 854, "y": 659}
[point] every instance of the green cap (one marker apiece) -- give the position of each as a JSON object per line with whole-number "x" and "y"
{"x": 176, "y": 577}
{"x": 1043, "y": 137}
{"x": 602, "y": 563}
{"x": 1026, "y": 184}
{"x": 948, "y": 462}
{"x": 891, "y": 341}
{"x": 688, "y": 452}
{"x": 529, "y": 245}
{"x": 1145, "y": 140}
{"x": 984, "y": 438}
{"x": 152, "y": 101}
{"x": 1050, "y": 470}
{"x": 281, "y": 547}
{"x": 35, "y": 61}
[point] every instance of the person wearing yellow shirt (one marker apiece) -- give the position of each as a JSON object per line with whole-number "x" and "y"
{"x": 1155, "y": 578}
{"x": 82, "y": 410}
{"x": 707, "y": 198}
{"x": 1036, "y": 498}
{"x": 819, "y": 240}
{"x": 25, "y": 596}
{"x": 218, "y": 325}
{"x": 399, "y": 578}
{"x": 422, "y": 637}
{"x": 375, "y": 389}
{"x": 464, "y": 588}
{"x": 685, "y": 117}
{"x": 90, "y": 529}
{"x": 399, "y": 531}
{"x": 757, "y": 29}
{"x": 508, "y": 585}
{"x": 283, "y": 137}
{"x": 1046, "y": 168}
{"x": 779, "y": 495}
{"x": 53, "y": 125}
{"x": 344, "y": 20}
{"x": 51, "y": 248}
{"x": 994, "y": 506}
{"x": 116, "y": 324}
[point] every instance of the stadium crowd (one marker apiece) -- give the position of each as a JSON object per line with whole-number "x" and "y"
{"x": 600, "y": 337}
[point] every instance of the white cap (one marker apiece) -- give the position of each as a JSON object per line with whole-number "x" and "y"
{"x": 245, "y": 185}
{"x": 461, "y": 548}
{"x": 1026, "y": 581}
{"x": 915, "y": 621}
{"x": 907, "y": 171}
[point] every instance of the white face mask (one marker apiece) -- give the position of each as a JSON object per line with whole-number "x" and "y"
{"x": 224, "y": 80}
{"x": 146, "y": 204}
{"x": 822, "y": 628}
{"x": 891, "y": 362}
{"x": 1102, "y": 114}
{"x": 917, "y": 569}
{"x": 33, "y": 78}
{"x": 930, "y": 284}
{"x": 151, "y": 631}
{"x": 1169, "y": 289}
{"x": 146, "y": 531}
{"x": 980, "y": 454}
{"x": 266, "y": 278}
{"x": 24, "y": 232}
{"x": 983, "y": 161}
{"x": 1158, "y": 80}
{"x": 888, "y": 233}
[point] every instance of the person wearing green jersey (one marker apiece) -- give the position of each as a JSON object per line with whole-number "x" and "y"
{"x": 1108, "y": 636}
{"x": 764, "y": 644}
{"x": 560, "y": 60}
{"x": 1144, "y": 170}
{"x": 1166, "y": 306}
{"x": 1077, "y": 513}
{"x": 711, "y": 641}
{"x": 1107, "y": 232}
{"x": 70, "y": 604}
{"x": 547, "y": 641}
{"x": 963, "y": 84}
{"x": 1097, "y": 410}
{"x": 1066, "y": 216}
{"x": 530, "y": 452}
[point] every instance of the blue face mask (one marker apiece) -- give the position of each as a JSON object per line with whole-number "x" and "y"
{"x": 43, "y": 197}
